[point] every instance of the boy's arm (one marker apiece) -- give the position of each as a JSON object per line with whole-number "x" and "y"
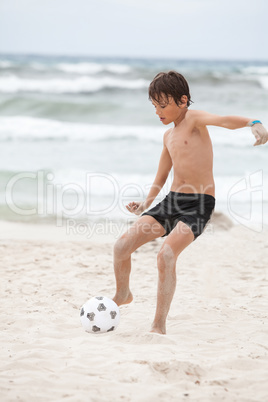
{"x": 232, "y": 122}
{"x": 164, "y": 167}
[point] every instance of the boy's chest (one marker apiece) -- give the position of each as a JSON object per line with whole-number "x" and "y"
{"x": 182, "y": 143}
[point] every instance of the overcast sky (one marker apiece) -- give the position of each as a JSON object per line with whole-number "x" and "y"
{"x": 229, "y": 29}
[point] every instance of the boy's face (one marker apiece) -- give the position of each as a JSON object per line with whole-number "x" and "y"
{"x": 169, "y": 111}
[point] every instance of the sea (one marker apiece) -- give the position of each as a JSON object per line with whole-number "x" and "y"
{"x": 80, "y": 139}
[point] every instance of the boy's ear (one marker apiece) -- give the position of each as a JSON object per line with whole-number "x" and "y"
{"x": 184, "y": 100}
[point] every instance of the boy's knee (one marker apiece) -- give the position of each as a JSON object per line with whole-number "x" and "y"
{"x": 122, "y": 248}
{"x": 166, "y": 257}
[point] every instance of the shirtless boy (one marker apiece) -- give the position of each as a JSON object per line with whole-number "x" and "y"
{"x": 185, "y": 211}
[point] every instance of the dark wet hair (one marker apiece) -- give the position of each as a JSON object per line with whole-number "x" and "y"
{"x": 169, "y": 84}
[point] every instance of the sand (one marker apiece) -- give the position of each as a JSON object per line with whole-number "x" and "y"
{"x": 217, "y": 333}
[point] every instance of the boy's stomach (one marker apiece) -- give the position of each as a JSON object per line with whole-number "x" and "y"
{"x": 201, "y": 184}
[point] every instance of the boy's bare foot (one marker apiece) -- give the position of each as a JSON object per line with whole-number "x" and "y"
{"x": 123, "y": 298}
{"x": 158, "y": 329}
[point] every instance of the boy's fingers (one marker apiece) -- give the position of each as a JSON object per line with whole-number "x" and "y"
{"x": 260, "y": 134}
{"x": 257, "y": 137}
{"x": 132, "y": 207}
{"x": 257, "y": 141}
{"x": 265, "y": 138}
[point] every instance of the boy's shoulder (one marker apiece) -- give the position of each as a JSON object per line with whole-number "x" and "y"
{"x": 193, "y": 114}
{"x": 195, "y": 117}
{"x": 166, "y": 134}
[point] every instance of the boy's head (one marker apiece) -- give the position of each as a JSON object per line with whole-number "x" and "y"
{"x": 166, "y": 85}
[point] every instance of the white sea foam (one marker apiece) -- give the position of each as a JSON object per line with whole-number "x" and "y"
{"x": 239, "y": 138}
{"x": 76, "y": 68}
{"x": 83, "y": 84}
{"x": 264, "y": 81}
{"x": 260, "y": 79}
{"x": 5, "y": 64}
{"x": 117, "y": 68}
{"x": 93, "y": 68}
{"x": 30, "y": 128}
{"x": 258, "y": 70}
{"x": 80, "y": 68}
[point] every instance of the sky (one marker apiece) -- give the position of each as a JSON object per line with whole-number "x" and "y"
{"x": 192, "y": 29}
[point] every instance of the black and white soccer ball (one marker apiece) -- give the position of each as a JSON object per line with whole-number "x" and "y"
{"x": 100, "y": 314}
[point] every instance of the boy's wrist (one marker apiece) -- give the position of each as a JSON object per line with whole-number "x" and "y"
{"x": 146, "y": 204}
{"x": 251, "y": 123}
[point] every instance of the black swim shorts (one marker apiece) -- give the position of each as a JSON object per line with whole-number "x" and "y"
{"x": 193, "y": 209}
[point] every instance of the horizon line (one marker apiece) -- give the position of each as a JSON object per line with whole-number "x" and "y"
{"x": 130, "y": 57}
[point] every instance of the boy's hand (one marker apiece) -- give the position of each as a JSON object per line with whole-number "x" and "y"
{"x": 260, "y": 133}
{"x": 136, "y": 207}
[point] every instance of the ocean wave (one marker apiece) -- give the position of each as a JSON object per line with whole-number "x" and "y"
{"x": 257, "y": 70}
{"x": 93, "y": 77}
{"x": 260, "y": 80}
{"x": 223, "y": 78}
{"x": 57, "y": 107}
{"x": 22, "y": 128}
{"x": 5, "y": 64}
{"x": 93, "y": 68}
{"x": 84, "y": 84}
{"x": 78, "y": 67}
{"x": 264, "y": 82}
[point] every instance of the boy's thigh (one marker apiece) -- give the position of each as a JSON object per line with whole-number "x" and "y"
{"x": 145, "y": 229}
{"x": 179, "y": 238}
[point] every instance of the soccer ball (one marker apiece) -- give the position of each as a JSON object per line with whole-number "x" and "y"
{"x": 100, "y": 314}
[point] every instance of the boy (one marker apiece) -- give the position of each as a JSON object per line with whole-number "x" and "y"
{"x": 185, "y": 211}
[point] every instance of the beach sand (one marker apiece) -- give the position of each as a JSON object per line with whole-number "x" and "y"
{"x": 217, "y": 333}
